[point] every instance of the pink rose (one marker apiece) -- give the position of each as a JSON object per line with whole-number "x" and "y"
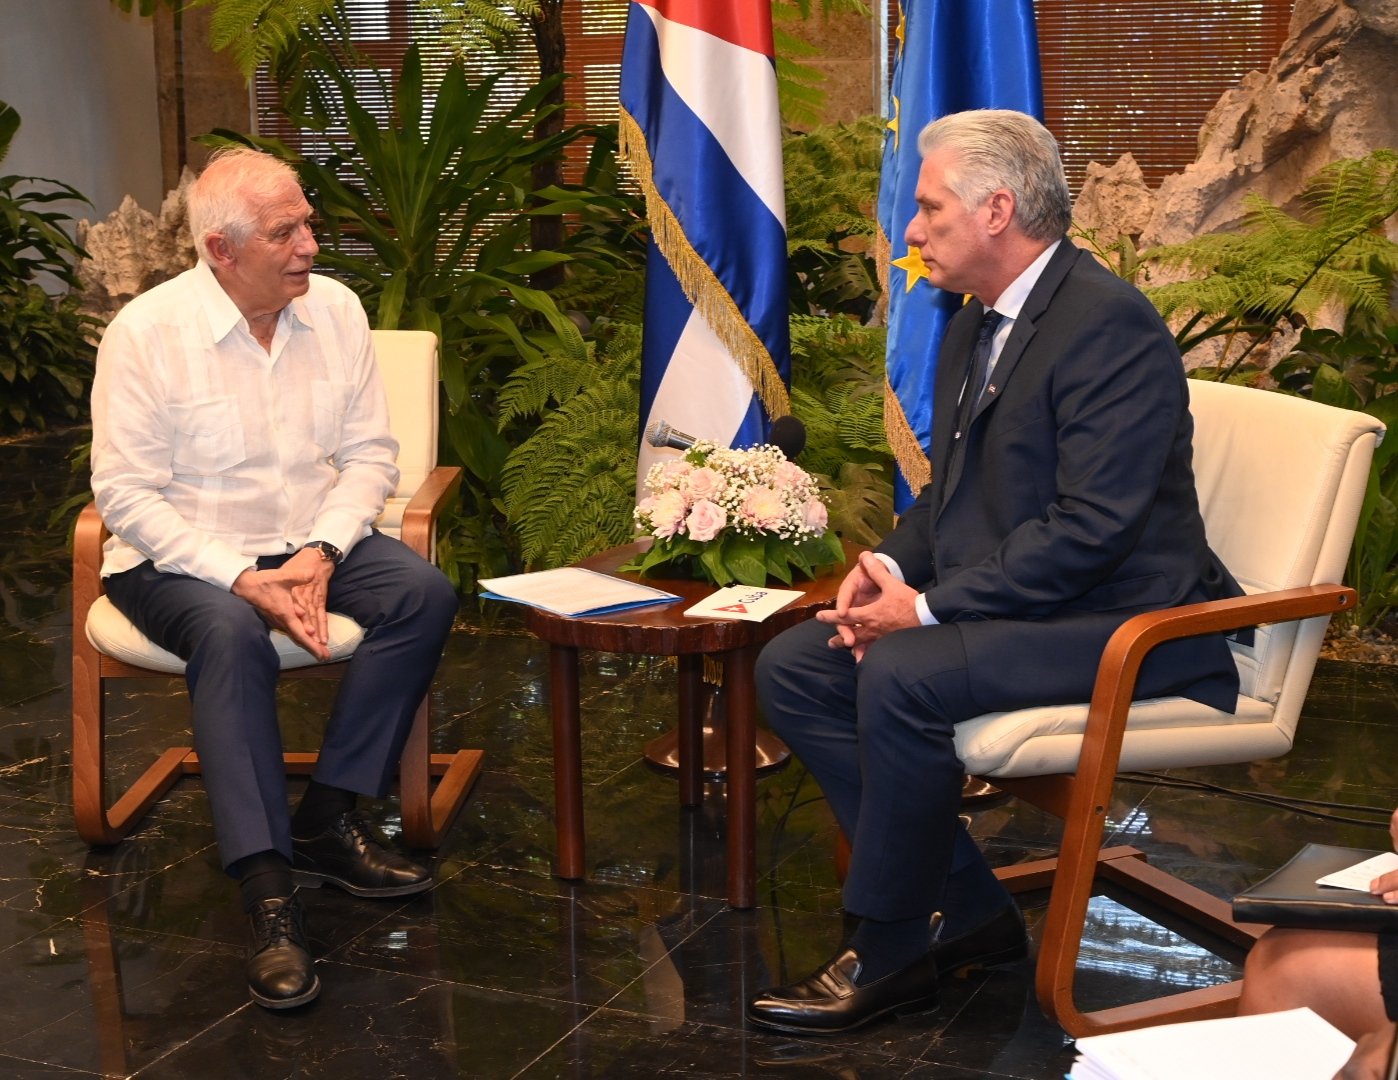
{"x": 704, "y": 483}
{"x": 675, "y": 470}
{"x": 787, "y": 475}
{"x": 706, "y": 520}
{"x": 815, "y": 515}
{"x": 667, "y": 514}
{"x": 763, "y": 508}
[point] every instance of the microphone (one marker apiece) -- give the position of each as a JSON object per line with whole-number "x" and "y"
{"x": 662, "y": 434}
{"x": 788, "y": 435}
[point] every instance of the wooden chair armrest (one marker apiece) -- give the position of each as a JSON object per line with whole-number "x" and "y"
{"x": 88, "y": 537}
{"x": 426, "y": 506}
{"x": 1134, "y": 639}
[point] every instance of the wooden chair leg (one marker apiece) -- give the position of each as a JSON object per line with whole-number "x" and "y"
{"x": 96, "y": 823}
{"x": 428, "y": 813}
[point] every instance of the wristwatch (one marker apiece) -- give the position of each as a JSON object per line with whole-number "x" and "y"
{"x": 328, "y": 551}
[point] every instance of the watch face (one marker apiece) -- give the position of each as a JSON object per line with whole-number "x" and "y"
{"x": 328, "y": 551}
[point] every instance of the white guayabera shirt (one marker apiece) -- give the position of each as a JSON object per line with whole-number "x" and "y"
{"x": 207, "y": 451}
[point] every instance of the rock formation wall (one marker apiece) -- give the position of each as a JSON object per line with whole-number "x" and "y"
{"x": 133, "y": 250}
{"x": 1331, "y": 93}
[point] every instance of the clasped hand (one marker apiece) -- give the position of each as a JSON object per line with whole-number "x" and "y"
{"x": 291, "y": 598}
{"x": 871, "y": 603}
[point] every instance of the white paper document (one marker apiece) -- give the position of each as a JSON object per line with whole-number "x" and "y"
{"x": 1358, "y": 876}
{"x": 1295, "y": 1045}
{"x": 571, "y": 590}
{"x": 750, "y": 602}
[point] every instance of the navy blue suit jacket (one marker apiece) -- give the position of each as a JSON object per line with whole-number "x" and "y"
{"x": 1071, "y": 500}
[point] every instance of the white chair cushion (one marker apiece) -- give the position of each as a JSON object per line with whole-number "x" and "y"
{"x": 1163, "y": 732}
{"x": 112, "y": 634}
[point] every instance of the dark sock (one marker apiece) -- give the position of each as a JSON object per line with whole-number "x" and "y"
{"x": 886, "y": 947}
{"x": 321, "y": 805}
{"x": 262, "y": 877}
{"x": 973, "y": 893}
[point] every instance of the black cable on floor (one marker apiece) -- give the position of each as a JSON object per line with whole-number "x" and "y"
{"x": 1316, "y": 808}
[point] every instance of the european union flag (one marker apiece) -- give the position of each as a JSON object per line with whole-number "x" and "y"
{"x": 953, "y": 55}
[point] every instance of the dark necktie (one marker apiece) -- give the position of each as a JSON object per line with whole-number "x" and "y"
{"x": 980, "y": 364}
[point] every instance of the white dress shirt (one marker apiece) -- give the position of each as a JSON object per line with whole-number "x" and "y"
{"x": 208, "y": 451}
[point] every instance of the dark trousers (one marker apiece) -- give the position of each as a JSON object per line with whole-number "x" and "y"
{"x": 878, "y": 736}
{"x": 406, "y": 608}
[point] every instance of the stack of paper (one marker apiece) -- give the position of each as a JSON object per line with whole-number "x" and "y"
{"x": 571, "y": 590}
{"x": 1294, "y": 1045}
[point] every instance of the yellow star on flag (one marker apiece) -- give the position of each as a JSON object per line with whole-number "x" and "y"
{"x": 913, "y": 266}
{"x": 901, "y": 33}
{"x": 892, "y": 124}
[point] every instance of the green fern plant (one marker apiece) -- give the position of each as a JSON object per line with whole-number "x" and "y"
{"x": 1281, "y": 266}
{"x": 832, "y": 179}
{"x": 838, "y": 392}
{"x": 799, "y": 93}
{"x": 569, "y": 488}
{"x": 478, "y": 25}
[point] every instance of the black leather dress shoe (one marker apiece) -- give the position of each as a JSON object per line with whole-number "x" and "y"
{"x": 828, "y": 1000}
{"x": 281, "y": 974}
{"x": 1001, "y": 939}
{"x": 350, "y": 856}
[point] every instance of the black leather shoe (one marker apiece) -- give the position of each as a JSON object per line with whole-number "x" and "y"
{"x": 350, "y": 856}
{"x": 281, "y": 974}
{"x": 1001, "y": 939}
{"x": 828, "y": 1000}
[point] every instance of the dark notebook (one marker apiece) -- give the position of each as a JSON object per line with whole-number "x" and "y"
{"x": 1291, "y": 897}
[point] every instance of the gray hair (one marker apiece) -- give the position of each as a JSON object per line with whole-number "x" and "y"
{"x": 1000, "y": 148}
{"x": 230, "y": 193}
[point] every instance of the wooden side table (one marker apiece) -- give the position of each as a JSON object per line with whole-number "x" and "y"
{"x": 664, "y": 630}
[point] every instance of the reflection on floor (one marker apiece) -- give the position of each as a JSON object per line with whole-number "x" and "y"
{"x": 128, "y": 961}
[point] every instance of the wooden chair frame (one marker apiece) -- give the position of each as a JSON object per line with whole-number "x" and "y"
{"x": 426, "y": 813}
{"x": 1082, "y": 800}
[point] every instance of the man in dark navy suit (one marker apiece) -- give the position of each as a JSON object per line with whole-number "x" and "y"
{"x": 1062, "y": 503}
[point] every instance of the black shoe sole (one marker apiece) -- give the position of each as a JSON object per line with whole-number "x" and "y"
{"x": 313, "y": 879}
{"x": 907, "y": 1008}
{"x": 287, "y": 1003}
{"x": 1003, "y": 958}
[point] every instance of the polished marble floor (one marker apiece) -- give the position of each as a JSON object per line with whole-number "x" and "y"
{"x": 127, "y": 961}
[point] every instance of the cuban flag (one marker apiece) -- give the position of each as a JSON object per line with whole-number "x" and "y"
{"x": 952, "y": 55}
{"x": 701, "y": 132}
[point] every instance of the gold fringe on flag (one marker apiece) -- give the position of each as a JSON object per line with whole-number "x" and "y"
{"x": 907, "y": 451}
{"x": 701, "y": 286}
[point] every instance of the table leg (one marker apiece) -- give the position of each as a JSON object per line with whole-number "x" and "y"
{"x": 739, "y": 687}
{"x": 567, "y": 760}
{"x": 691, "y": 729}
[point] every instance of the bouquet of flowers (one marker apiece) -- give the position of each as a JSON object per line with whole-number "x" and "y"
{"x": 734, "y": 517}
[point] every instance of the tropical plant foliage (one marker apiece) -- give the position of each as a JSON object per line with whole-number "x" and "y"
{"x": 832, "y": 177}
{"x": 46, "y": 355}
{"x": 838, "y": 393}
{"x": 570, "y": 486}
{"x": 1358, "y": 369}
{"x": 1281, "y": 272}
{"x": 1281, "y": 266}
{"x": 799, "y": 86}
